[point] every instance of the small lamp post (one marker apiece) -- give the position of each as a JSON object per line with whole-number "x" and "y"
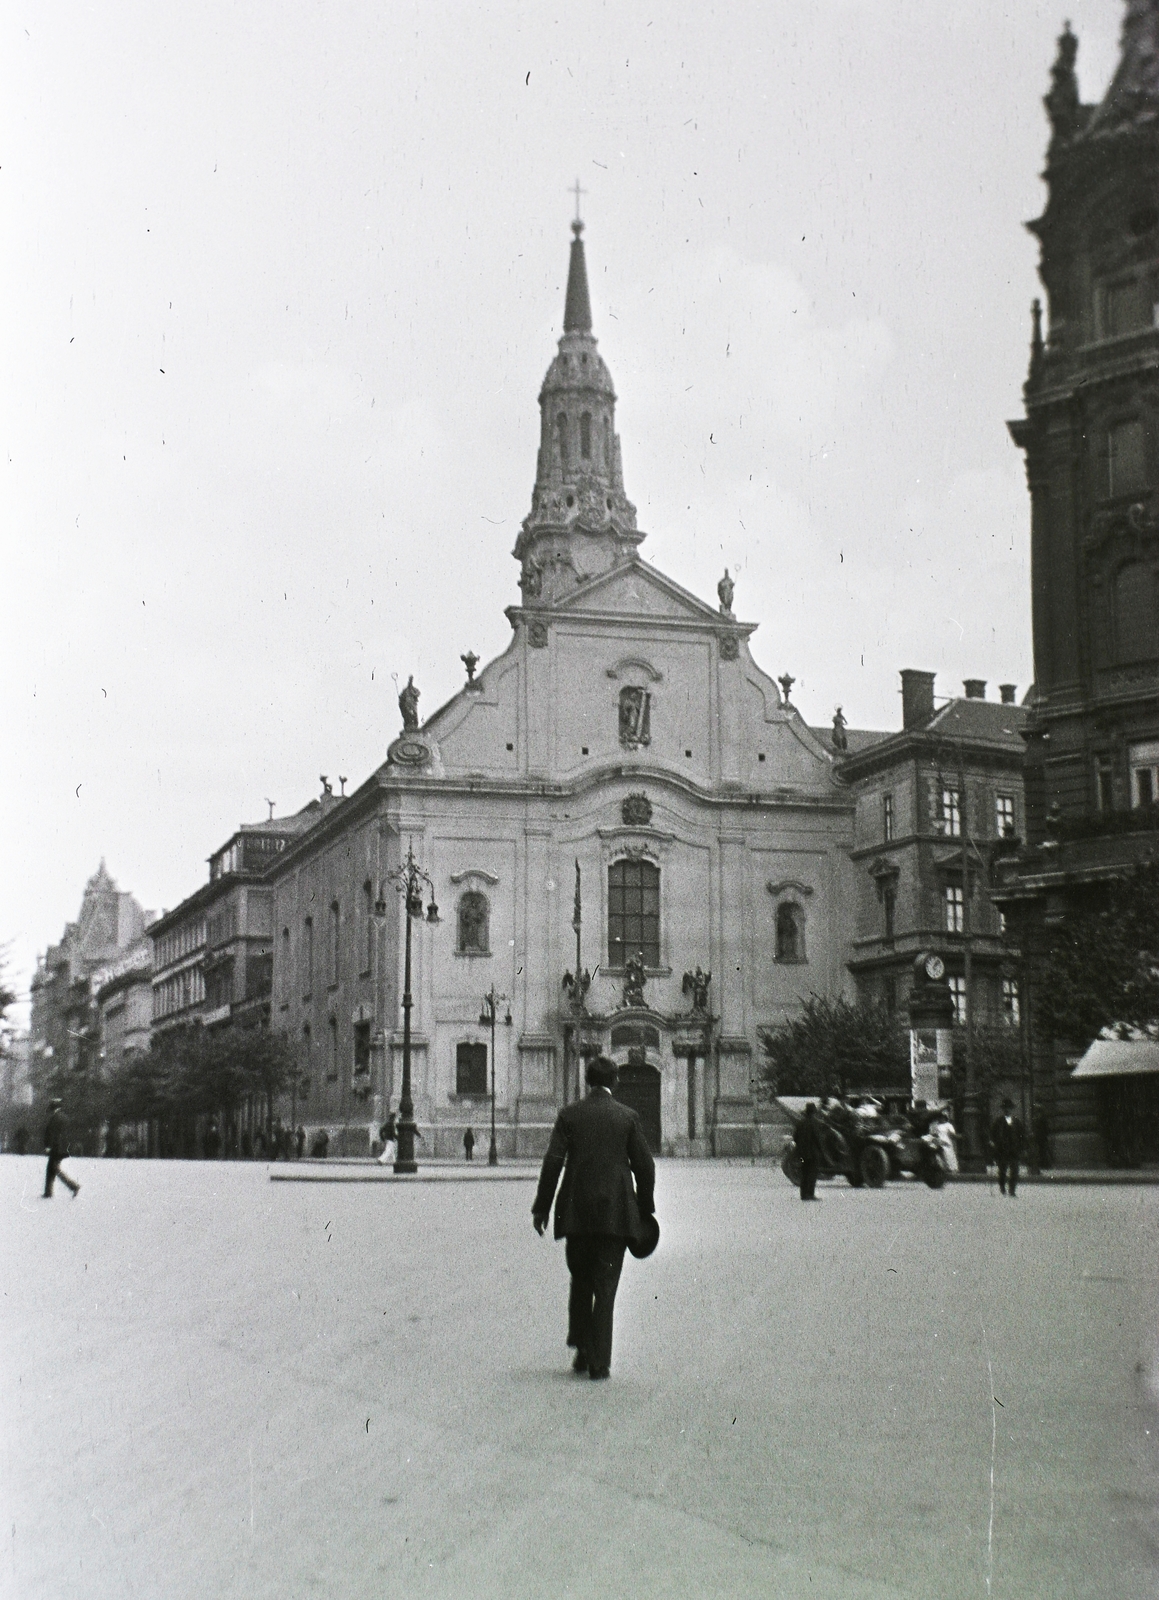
{"x": 488, "y": 1018}
{"x": 408, "y": 880}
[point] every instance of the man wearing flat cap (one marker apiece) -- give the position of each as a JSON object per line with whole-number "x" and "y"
{"x": 605, "y": 1201}
{"x": 56, "y": 1148}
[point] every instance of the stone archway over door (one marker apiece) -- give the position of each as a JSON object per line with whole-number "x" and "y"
{"x": 638, "y": 1086}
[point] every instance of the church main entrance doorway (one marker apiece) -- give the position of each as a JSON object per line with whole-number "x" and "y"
{"x": 638, "y": 1086}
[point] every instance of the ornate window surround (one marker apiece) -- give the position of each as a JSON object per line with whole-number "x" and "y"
{"x": 635, "y": 844}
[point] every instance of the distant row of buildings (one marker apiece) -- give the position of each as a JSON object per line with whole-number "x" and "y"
{"x": 632, "y": 839}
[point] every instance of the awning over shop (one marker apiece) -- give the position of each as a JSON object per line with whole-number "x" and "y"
{"x": 1114, "y": 1058}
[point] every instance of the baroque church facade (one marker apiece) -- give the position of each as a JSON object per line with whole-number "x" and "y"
{"x": 635, "y": 843}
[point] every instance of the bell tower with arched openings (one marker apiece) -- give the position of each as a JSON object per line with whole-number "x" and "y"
{"x": 581, "y": 522}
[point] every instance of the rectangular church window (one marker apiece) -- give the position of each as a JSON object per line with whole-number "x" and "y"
{"x": 633, "y": 912}
{"x": 471, "y": 1069}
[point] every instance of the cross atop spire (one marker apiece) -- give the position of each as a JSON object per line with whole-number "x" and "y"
{"x": 577, "y": 191}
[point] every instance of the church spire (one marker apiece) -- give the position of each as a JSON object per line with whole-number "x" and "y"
{"x": 581, "y": 522}
{"x": 577, "y": 308}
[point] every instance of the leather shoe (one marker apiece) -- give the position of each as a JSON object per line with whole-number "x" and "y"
{"x": 599, "y": 1372}
{"x": 580, "y": 1364}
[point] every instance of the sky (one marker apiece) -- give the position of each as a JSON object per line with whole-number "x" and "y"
{"x": 281, "y": 282}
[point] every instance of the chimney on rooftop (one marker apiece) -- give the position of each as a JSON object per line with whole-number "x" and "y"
{"x": 917, "y": 698}
{"x": 1007, "y": 691}
{"x": 975, "y": 688}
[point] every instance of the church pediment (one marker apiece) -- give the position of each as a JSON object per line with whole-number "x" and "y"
{"x": 635, "y": 589}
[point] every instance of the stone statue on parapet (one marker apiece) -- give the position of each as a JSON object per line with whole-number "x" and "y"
{"x": 408, "y": 704}
{"x": 696, "y": 984}
{"x": 725, "y": 590}
{"x": 840, "y": 737}
{"x": 634, "y": 981}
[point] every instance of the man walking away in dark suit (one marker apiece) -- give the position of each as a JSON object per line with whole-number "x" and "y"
{"x": 599, "y": 1146}
{"x": 56, "y": 1148}
{"x": 807, "y": 1138}
{"x": 1007, "y": 1140}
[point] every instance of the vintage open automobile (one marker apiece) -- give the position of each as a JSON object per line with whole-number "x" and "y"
{"x": 869, "y": 1149}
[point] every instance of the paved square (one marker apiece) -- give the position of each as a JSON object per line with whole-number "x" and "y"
{"x": 214, "y": 1386}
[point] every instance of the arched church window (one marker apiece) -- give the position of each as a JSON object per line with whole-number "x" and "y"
{"x": 1136, "y": 632}
{"x": 633, "y": 912}
{"x": 790, "y": 932}
{"x": 586, "y": 436}
{"x": 561, "y": 435}
{"x": 474, "y": 924}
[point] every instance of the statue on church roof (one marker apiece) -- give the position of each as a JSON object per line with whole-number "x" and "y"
{"x": 840, "y": 737}
{"x": 725, "y": 590}
{"x": 408, "y": 704}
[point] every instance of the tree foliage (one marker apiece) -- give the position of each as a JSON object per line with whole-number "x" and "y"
{"x": 189, "y": 1071}
{"x": 835, "y": 1046}
{"x": 1102, "y": 965}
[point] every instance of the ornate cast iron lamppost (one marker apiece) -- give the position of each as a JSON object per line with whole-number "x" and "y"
{"x": 488, "y": 1017}
{"x": 408, "y": 880}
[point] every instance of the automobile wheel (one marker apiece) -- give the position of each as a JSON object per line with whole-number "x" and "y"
{"x": 934, "y": 1173}
{"x": 791, "y": 1167}
{"x": 874, "y": 1166}
{"x": 854, "y": 1176}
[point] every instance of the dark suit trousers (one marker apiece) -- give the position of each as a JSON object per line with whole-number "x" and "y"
{"x": 594, "y": 1261}
{"x": 52, "y": 1172}
{"x": 809, "y": 1170}
{"x": 1008, "y": 1173}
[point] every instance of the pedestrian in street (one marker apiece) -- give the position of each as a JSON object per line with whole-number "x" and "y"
{"x": 300, "y": 1141}
{"x": 807, "y": 1138}
{"x": 1007, "y": 1141}
{"x": 56, "y": 1148}
{"x": 605, "y": 1201}
{"x": 469, "y": 1144}
{"x": 388, "y": 1133}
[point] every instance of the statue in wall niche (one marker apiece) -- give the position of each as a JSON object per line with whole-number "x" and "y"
{"x": 408, "y": 704}
{"x": 840, "y": 738}
{"x": 531, "y": 581}
{"x": 634, "y": 981}
{"x": 635, "y": 717}
{"x": 725, "y": 590}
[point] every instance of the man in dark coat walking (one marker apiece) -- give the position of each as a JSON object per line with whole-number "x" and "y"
{"x": 599, "y": 1146}
{"x": 807, "y": 1138}
{"x": 1007, "y": 1140}
{"x": 56, "y": 1148}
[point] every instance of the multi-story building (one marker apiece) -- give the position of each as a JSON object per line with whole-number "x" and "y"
{"x": 212, "y": 956}
{"x": 65, "y": 1024}
{"x": 933, "y": 800}
{"x": 1091, "y": 440}
{"x": 123, "y": 990}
